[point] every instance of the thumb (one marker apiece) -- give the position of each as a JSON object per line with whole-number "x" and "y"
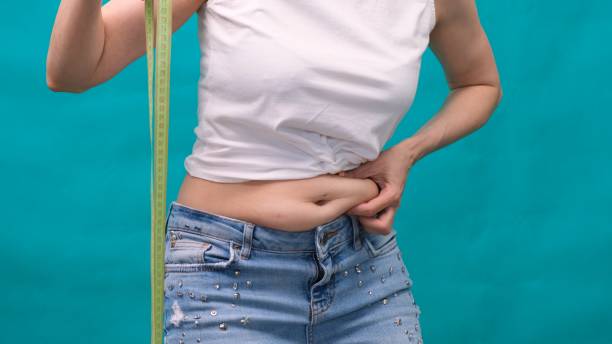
{"x": 354, "y": 173}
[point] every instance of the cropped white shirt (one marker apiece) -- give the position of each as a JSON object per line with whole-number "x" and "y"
{"x": 292, "y": 89}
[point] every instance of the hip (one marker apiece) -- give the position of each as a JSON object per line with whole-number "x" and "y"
{"x": 228, "y": 279}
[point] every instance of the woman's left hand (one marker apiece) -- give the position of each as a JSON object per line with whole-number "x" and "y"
{"x": 389, "y": 171}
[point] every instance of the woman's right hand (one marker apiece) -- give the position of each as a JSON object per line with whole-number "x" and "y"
{"x": 90, "y": 44}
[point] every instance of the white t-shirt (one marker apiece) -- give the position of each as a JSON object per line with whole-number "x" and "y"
{"x": 292, "y": 89}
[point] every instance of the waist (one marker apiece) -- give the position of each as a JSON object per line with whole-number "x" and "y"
{"x": 289, "y": 205}
{"x": 185, "y": 221}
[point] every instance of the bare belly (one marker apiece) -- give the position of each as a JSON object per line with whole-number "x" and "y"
{"x": 290, "y": 205}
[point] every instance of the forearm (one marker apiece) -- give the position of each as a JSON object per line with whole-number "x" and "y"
{"x": 465, "y": 110}
{"x": 76, "y": 43}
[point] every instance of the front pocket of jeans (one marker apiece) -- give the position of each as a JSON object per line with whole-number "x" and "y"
{"x": 188, "y": 252}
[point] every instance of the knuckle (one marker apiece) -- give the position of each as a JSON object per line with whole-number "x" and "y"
{"x": 370, "y": 212}
{"x": 396, "y": 196}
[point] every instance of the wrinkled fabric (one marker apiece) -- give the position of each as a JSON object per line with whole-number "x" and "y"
{"x": 295, "y": 89}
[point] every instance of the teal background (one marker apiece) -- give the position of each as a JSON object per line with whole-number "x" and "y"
{"x": 506, "y": 233}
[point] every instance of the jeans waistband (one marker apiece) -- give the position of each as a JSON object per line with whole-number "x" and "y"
{"x": 344, "y": 228}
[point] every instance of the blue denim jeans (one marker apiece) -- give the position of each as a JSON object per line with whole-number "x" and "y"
{"x": 232, "y": 281}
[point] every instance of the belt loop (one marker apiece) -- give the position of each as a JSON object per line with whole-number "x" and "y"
{"x": 356, "y": 233}
{"x": 247, "y": 240}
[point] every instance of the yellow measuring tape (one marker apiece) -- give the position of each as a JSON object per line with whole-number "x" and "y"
{"x": 160, "y": 105}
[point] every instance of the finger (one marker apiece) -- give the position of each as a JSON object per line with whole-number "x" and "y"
{"x": 382, "y": 224}
{"x": 373, "y": 225}
{"x": 360, "y": 171}
{"x": 386, "y": 198}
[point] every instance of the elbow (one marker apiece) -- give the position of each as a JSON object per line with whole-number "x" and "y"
{"x": 499, "y": 95}
{"x": 54, "y": 85}
{"x": 495, "y": 100}
{"x": 59, "y": 84}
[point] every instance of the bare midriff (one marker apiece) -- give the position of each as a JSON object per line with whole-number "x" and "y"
{"x": 289, "y": 205}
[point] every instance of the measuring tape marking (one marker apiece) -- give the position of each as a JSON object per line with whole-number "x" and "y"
{"x": 158, "y": 75}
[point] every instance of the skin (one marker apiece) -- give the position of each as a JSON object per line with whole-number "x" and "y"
{"x": 90, "y": 45}
{"x": 462, "y": 47}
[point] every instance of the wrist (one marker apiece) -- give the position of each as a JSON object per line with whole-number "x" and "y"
{"x": 412, "y": 149}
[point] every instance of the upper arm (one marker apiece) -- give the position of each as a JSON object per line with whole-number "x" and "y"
{"x": 124, "y": 29}
{"x": 461, "y": 45}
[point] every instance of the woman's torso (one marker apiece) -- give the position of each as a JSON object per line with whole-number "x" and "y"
{"x": 291, "y": 93}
